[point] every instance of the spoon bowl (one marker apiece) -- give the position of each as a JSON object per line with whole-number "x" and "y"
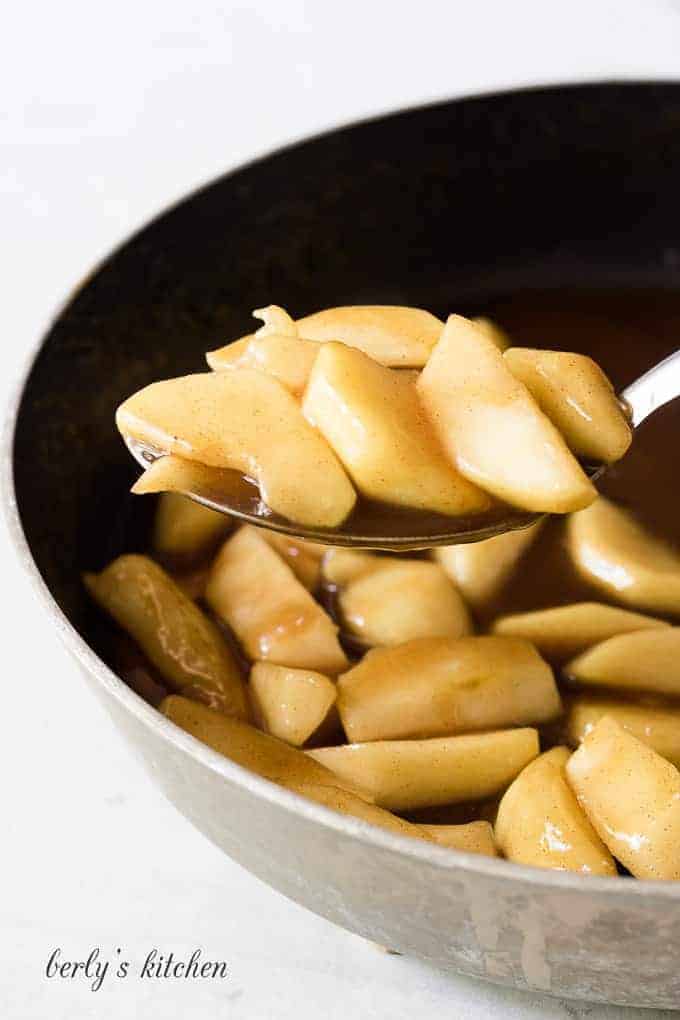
{"x": 371, "y": 525}
{"x": 392, "y": 528}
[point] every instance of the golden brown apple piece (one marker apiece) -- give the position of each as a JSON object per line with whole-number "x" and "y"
{"x": 481, "y": 569}
{"x": 392, "y": 335}
{"x": 286, "y": 358}
{"x": 290, "y": 704}
{"x": 349, "y": 804}
{"x": 644, "y": 660}
{"x": 444, "y": 686}
{"x": 492, "y": 428}
{"x": 275, "y": 322}
{"x": 616, "y": 553}
{"x": 275, "y": 349}
{"x": 399, "y": 600}
{"x": 184, "y": 532}
{"x": 259, "y": 752}
{"x": 573, "y": 391}
{"x": 272, "y": 614}
{"x": 303, "y": 557}
{"x": 373, "y": 420}
{"x": 248, "y": 421}
{"x": 472, "y": 838}
{"x": 403, "y": 775}
{"x": 562, "y": 632}
{"x": 632, "y": 797}
{"x": 340, "y": 566}
{"x": 540, "y": 822}
{"x": 172, "y": 475}
{"x": 656, "y": 723}
{"x": 185, "y": 646}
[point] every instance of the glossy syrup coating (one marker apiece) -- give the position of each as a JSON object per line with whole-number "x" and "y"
{"x": 442, "y": 686}
{"x": 632, "y": 797}
{"x": 492, "y": 428}
{"x": 540, "y": 821}
{"x": 374, "y": 420}
{"x": 271, "y": 613}
{"x": 244, "y": 420}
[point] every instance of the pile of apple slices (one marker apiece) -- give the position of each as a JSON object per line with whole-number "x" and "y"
{"x": 387, "y": 402}
{"x": 392, "y": 709}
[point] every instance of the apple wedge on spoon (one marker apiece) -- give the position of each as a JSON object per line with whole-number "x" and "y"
{"x": 492, "y": 428}
{"x": 576, "y": 395}
{"x": 393, "y": 335}
{"x": 373, "y": 420}
{"x": 248, "y": 421}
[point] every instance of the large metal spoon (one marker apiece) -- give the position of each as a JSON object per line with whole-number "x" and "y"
{"x": 388, "y": 527}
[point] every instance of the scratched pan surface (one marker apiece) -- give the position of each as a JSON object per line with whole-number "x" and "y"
{"x": 451, "y": 205}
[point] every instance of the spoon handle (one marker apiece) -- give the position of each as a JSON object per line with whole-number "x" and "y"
{"x": 653, "y": 389}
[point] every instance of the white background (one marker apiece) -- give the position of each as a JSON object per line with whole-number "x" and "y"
{"x": 108, "y": 112}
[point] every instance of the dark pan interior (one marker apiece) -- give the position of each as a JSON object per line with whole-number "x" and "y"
{"x": 446, "y": 207}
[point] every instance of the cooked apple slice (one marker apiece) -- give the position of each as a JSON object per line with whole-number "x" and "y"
{"x": 616, "y": 553}
{"x": 632, "y": 797}
{"x": 644, "y": 660}
{"x": 276, "y": 322}
{"x": 481, "y": 569}
{"x": 350, "y": 804}
{"x": 259, "y": 752}
{"x": 272, "y": 614}
{"x": 303, "y": 558}
{"x": 403, "y": 775}
{"x": 493, "y": 331}
{"x": 400, "y": 600}
{"x": 656, "y": 724}
{"x": 340, "y": 566}
{"x": 540, "y": 822}
{"x": 248, "y": 421}
{"x": 565, "y": 631}
{"x": 437, "y": 686}
{"x": 232, "y": 355}
{"x": 290, "y": 703}
{"x": 185, "y": 532}
{"x": 288, "y": 358}
{"x": 172, "y": 474}
{"x": 185, "y": 646}
{"x": 373, "y": 420}
{"x": 573, "y": 391}
{"x": 492, "y": 428}
{"x": 393, "y": 335}
{"x": 473, "y": 838}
